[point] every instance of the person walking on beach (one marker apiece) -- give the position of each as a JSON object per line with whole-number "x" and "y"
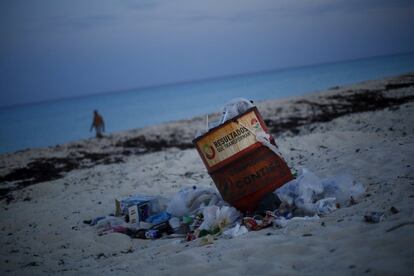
{"x": 98, "y": 123}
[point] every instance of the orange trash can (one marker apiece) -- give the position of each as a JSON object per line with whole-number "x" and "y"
{"x": 243, "y": 169}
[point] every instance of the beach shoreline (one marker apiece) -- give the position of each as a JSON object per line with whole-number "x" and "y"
{"x": 365, "y": 129}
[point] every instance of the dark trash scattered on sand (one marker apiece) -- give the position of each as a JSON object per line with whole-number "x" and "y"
{"x": 196, "y": 212}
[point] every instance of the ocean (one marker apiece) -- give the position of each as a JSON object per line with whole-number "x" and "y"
{"x": 56, "y": 122}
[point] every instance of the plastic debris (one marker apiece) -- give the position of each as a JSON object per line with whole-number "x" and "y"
{"x": 197, "y": 221}
{"x": 266, "y": 141}
{"x": 326, "y": 205}
{"x": 216, "y": 217}
{"x": 235, "y": 107}
{"x": 155, "y": 204}
{"x": 285, "y": 210}
{"x": 230, "y": 110}
{"x": 190, "y": 236}
{"x": 158, "y": 218}
{"x": 343, "y": 187}
{"x": 200, "y": 213}
{"x": 205, "y": 240}
{"x": 111, "y": 224}
{"x": 282, "y": 222}
{"x": 189, "y": 200}
{"x": 163, "y": 228}
{"x": 174, "y": 223}
{"x": 302, "y": 191}
{"x": 255, "y": 224}
{"x": 188, "y": 220}
{"x": 152, "y": 234}
{"x": 251, "y": 224}
{"x": 236, "y": 231}
{"x": 313, "y": 195}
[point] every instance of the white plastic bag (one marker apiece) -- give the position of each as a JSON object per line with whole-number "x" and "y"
{"x": 209, "y": 218}
{"x": 216, "y": 217}
{"x": 192, "y": 199}
{"x": 342, "y": 187}
{"x": 226, "y": 216}
{"x": 264, "y": 138}
{"x": 235, "y": 231}
{"x": 303, "y": 191}
{"x": 313, "y": 195}
{"x": 325, "y": 206}
{"x": 235, "y": 107}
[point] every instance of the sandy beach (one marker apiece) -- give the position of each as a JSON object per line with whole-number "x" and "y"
{"x": 365, "y": 129}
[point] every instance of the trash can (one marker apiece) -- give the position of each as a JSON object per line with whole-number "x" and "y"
{"x": 243, "y": 169}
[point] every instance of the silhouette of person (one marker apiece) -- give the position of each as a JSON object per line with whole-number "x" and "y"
{"x": 98, "y": 123}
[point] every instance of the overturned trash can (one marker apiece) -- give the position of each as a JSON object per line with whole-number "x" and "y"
{"x": 243, "y": 166}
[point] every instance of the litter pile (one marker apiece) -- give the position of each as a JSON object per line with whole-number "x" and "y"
{"x": 192, "y": 213}
{"x": 250, "y": 174}
{"x": 195, "y": 212}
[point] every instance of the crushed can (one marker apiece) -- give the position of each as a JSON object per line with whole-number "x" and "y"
{"x": 152, "y": 234}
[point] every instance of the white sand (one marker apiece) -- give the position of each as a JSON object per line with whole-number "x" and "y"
{"x": 45, "y": 235}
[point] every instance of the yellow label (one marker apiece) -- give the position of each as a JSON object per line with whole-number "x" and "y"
{"x": 229, "y": 139}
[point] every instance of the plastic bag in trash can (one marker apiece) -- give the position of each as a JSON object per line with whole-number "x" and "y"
{"x": 235, "y": 107}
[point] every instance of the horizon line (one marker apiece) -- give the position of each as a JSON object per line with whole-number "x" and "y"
{"x": 229, "y": 76}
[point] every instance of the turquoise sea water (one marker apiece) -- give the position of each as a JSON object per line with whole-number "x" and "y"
{"x": 56, "y": 122}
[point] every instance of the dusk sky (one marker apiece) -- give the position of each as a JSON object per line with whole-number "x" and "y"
{"x": 55, "y": 49}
